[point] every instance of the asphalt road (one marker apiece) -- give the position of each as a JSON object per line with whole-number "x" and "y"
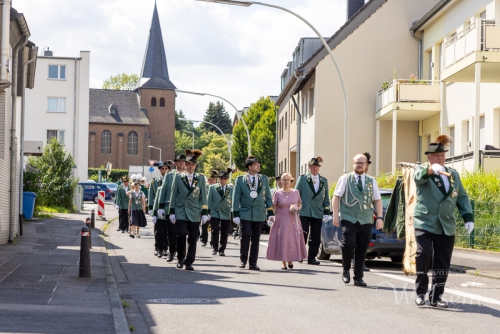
{"x": 218, "y": 297}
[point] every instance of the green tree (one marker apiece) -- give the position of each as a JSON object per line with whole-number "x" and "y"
{"x": 182, "y": 141}
{"x": 183, "y": 125}
{"x": 263, "y": 150}
{"x": 57, "y": 183}
{"x": 218, "y": 115}
{"x": 214, "y": 161}
{"x": 216, "y": 146}
{"x": 204, "y": 139}
{"x": 121, "y": 81}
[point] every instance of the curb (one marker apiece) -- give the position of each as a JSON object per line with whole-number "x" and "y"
{"x": 483, "y": 274}
{"x": 473, "y": 250}
{"x": 119, "y": 317}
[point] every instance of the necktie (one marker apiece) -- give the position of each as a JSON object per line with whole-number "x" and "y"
{"x": 360, "y": 184}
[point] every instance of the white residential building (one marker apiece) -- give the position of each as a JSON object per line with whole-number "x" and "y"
{"x": 58, "y": 106}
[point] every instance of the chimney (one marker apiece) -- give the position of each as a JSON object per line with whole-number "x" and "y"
{"x": 47, "y": 53}
{"x": 353, "y": 6}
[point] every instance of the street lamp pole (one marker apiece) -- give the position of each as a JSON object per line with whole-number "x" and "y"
{"x": 346, "y": 110}
{"x": 240, "y": 117}
{"x": 190, "y": 133}
{"x": 223, "y": 135}
{"x": 150, "y": 146}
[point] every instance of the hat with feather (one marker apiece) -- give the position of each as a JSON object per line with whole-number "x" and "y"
{"x": 250, "y": 160}
{"x": 368, "y": 157}
{"x": 441, "y": 144}
{"x": 193, "y": 155}
{"x": 316, "y": 161}
{"x": 179, "y": 157}
{"x": 225, "y": 174}
{"x": 214, "y": 174}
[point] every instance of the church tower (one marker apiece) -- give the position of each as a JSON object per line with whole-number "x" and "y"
{"x": 157, "y": 95}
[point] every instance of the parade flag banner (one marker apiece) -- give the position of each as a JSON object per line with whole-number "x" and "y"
{"x": 410, "y": 189}
{"x": 100, "y": 203}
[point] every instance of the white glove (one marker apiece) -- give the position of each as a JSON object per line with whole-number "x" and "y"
{"x": 271, "y": 219}
{"x": 116, "y": 206}
{"x": 150, "y": 212}
{"x": 172, "y": 219}
{"x": 161, "y": 213}
{"x": 327, "y": 218}
{"x": 154, "y": 219}
{"x": 437, "y": 168}
{"x": 269, "y": 223}
{"x": 236, "y": 220}
{"x": 469, "y": 226}
{"x": 204, "y": 219}
{"x": 209, "y": 217}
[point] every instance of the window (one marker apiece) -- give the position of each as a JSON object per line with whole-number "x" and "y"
{"x": 286, "y": 120}
{"x": 153, "y": 102}
{"x": 59, "y": 134}
{"x": 162, "y": 102}
{"x": 452, "y": 145}
{"x": 304, "y": 106}
{"x": 57, "y": 72}
{"x": 285, "y": 165}
{"x": 56, "y": 104}
{"x": 106, "y": 142}
{"x": 431, "y": 65}
{"x": 311, "y": 102}
{"x": 481, "y": 133}
{"x": 132, "y": 143}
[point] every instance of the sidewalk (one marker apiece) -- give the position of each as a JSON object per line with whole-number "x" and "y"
{"x": 40, "y": 290}
{"x": 477, "y": 262}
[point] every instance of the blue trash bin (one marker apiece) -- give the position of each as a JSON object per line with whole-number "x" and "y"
{"x": 28, "y": 204}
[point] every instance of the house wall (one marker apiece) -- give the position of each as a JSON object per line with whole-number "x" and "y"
{"x": 74, "y": 120}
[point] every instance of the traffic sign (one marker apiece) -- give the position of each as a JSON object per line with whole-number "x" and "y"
{"x": 151, "y": 163}
{"x": 151, "y": 169}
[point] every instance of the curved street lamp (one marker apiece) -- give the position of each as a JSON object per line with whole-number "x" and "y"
{"x": 192, "y": 133}
{"x": 346, "y": 113}
{"x": 223, "y": 135}
{"x": 240, "y": 116}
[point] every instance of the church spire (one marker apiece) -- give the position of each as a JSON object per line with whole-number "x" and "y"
{"x": 154, "y": 73}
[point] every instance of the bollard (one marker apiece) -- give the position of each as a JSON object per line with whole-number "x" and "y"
{"x": 92, "y": 219}
{"x": 85, "y": 253}
{"x": 88, "y": 225}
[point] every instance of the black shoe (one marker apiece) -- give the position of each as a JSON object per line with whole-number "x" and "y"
{"x": 253, "y": 267}
{"x": 300, "y": 261}
{"x": 420, "y": 300}
{"x": 189, "y": 266}
{"x": 346, "y": 277}
{"x": 359, "y": 282}
{"x": 203, "y": 244}
{"x": 160, "y": 254}
{"x": 313, "y": 262}
{"x": 131, "y": 235}
{"x": 118, "y": 230}
{"x": 123, "y": 231}
{"x": 170, "y": 258}
{"x": 439, "y": 303}
{"x": 283, "y": 267}
{"x": 222, "y": 254}
{"x": 180, "y": 264}
{"x": 242, "y": 265}
{"x": 214, "y": 252}
{"x": 365, "y": 268}
{"x": 290, "y": 265}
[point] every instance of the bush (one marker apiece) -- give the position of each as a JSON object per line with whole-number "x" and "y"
{"x": 32, "y": 179}
{"x": 114, "y": 176}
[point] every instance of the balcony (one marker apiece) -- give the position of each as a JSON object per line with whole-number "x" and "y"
{"x": 414, "y": 100}
{"x": 477, "y": 43}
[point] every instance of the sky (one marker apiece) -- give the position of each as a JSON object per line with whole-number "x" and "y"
{"x": 235, "y": 52}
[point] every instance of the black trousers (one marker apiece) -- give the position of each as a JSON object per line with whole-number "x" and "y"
{"x": 204, "y": 232}
{"x": 223, "y": 227}
{"x": 123, "y": 219}
{"x": 355, "y": 239}
{"x": 191, "y": 230}
{"x": 171, "y": 236}
{"x": 250, "y": 238}
{"x": 312, "y": 230}
{"x": 433, "y": 252}
{"x": 161, "y": 236}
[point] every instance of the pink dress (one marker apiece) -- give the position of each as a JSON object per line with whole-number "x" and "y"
{"x": 286, "y": 240}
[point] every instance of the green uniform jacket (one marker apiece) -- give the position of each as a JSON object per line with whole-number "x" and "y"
{"x": 154, "y": 187}
{"x": 145, "y": 191}
{"x": 434, "y": 208}
{"x": 188, "y": 202}
{"x": 314, "y": 204}
{"x": 219, "y": 203}
{"x": 166, "y": 190}
{"x": 121, "y": 198}
{"x": 248, "y": 208}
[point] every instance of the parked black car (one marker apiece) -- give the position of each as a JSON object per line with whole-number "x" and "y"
{"x": 90, "y": 190}
{"x": 381, "y": 244}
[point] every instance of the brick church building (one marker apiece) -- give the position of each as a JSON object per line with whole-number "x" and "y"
{"x": 122, "y": 124}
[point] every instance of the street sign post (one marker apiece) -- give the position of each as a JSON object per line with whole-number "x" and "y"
{"x": 151, "y": 163}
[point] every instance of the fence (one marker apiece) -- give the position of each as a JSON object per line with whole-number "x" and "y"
{"x": 486, "y": 234}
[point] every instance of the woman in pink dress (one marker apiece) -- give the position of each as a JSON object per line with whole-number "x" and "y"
{"x": 286, "y": 242}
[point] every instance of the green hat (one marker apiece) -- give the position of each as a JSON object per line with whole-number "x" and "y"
{"x": 250, "y": 160}
{"x": 435, "y": 148}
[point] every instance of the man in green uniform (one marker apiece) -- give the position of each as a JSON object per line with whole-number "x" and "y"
{"x": 219, "y": 208}
{"x": 278, "y": 185}
{"x": 353, "y": 197}
{"x": 313, "y": 189}
{"x": 212, "y": 179}
{"x": 187, "y": 201}
{"x": 160, "y": 226}
{"x": 251, "y": 200}
{"x": 438, "y": 192}
{"x": 121, "y": 203}
{"x": 164, "y": 203}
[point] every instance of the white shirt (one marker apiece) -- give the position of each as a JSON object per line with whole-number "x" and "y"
{"x": 315, "y": 179}
{"x": 190, "y": 178}
{"x": 341, "y": 185}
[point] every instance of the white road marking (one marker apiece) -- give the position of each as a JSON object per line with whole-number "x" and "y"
{"x": 472, "y": 284}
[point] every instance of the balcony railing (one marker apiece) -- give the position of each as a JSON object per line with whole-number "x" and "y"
{"x": 481, "y": 35}
{"x": 409, "y": 90}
